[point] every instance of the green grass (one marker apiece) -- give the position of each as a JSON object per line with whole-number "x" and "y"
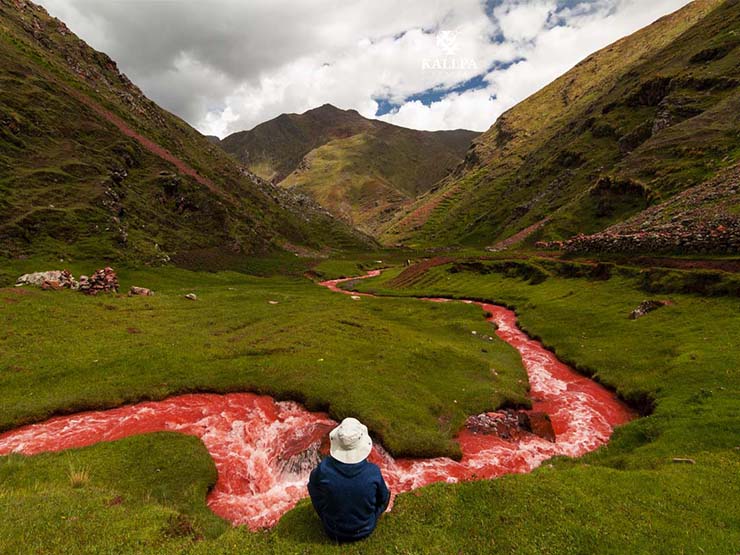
{"x": 367, "y": 358}
{"x": 358, "y": 264}
{"x": 628, "y": 497}
{"x": 683, "y": 358}
{"x": 145, "y": 496}
{"x": 140, "y": 492}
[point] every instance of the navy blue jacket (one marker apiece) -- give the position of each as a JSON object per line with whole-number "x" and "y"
{"x": 349, "y": 498}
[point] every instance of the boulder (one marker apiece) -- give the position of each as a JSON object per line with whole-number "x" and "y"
{"x": 506, "y": 424}
{"x": 540, "y": 425}
{"x": 512, "y": 425}
{"x": 54, "y": 279}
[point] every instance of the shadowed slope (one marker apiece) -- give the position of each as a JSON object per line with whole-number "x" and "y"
{"x": 90, "y": 167}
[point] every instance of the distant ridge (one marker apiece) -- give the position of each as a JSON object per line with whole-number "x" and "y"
{"x": 362, "y": 170}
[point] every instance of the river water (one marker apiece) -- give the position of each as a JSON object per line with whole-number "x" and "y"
{"x": 264, "y": 449}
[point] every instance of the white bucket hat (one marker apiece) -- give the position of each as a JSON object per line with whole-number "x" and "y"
{"x": 350, "y": 442}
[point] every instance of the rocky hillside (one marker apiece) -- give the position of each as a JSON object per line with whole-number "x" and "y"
{"x": 703, "y": 219}
{"x": 89, "y": 167}
{"x": 362, "y": 170}
{"x": 629, "y": 127}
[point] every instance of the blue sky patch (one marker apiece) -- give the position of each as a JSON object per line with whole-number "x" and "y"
{"x": 435, "y": 94}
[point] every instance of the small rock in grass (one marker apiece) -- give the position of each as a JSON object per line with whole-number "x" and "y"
{"x": 140, "y": 291}
{"x": 191, "y": 297}
{"x": 474, "y": 332}
{"x": 684, "y": 461}
{"x": 272, "y": 302}
{"x": 51, "y": 285}
{"x": 355, "y": 297}
{"x": 645, "y": 307}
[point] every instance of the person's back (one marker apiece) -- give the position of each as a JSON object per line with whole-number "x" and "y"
{"x": 348, "y": 492}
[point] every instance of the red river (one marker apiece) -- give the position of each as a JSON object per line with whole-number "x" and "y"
{"x": 264, "y": 449}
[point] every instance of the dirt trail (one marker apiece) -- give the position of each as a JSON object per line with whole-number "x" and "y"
{"x": 517, "y": 237}
{"x": 414, "y": 272}
{"x": 147, "y": 143}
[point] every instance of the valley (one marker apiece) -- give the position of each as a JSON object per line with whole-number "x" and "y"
{"x": 538, "y": 324}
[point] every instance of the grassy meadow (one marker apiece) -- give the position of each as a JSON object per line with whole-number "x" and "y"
{"x": 407, "y": 362}
{"x": 400, "y": 365}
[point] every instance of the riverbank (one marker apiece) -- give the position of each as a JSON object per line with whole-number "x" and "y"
{"x": 628, "y": 498}
{"x": 264, "y": 450}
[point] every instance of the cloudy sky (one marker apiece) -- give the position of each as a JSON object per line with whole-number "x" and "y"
{"x": 227, "y": 65}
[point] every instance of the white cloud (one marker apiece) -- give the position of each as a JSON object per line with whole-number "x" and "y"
{"x": 227, "y": 65}
{"x": 523, "y": 21}
{"x": 547, "y": 54}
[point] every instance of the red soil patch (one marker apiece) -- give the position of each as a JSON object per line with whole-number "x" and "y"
{"x": 413, "y": 273}
{"x": 518, "y": 237}
{"x": 148, "y": 144}
{"x": 19, "y": 291}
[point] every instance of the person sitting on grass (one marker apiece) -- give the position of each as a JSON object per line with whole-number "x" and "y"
{"x": 347, "y": 491}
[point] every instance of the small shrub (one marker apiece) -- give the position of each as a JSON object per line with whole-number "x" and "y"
{"x": 180, "y": 526}
{"x": 713, "y": 54}
{"x": 636, "y": 137}
{"x": 609, "y": 186}
{"x": 650, "y": 92}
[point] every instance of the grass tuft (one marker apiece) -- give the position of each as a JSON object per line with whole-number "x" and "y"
{"x": 78, "y": 476}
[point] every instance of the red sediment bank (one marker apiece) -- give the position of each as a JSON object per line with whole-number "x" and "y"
{"x": 263, "y": 449}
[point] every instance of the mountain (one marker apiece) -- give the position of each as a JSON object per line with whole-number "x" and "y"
{"x": 362, "y": 170}
{"x": 629, "y": 127}
{"x": 89, "y": 167}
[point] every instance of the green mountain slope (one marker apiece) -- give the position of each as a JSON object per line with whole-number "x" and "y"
{"x": 89, "y": 167}
{"x": 630, "y": 126}
{"x": 274, "y": 148}
{"x": 362, "y": 170}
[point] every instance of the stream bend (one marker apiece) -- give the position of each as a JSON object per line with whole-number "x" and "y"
{"x": 264, "y": 449}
